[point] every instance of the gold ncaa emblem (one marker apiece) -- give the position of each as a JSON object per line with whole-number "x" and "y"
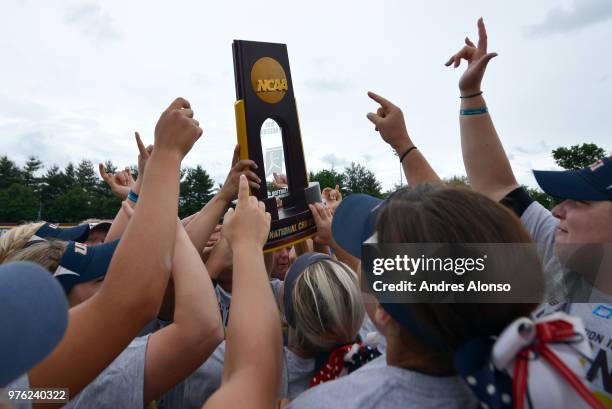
{"x": 269, "y": 80}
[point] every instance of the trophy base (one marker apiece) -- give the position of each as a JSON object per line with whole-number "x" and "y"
{"x": 291, "y": 225}
{"x": 294, "y": 227}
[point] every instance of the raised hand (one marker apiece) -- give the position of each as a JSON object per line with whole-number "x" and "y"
{"x": 176, "y": 130}
{"x": 323, "y": 219}
{"x": 143, "y": 154}
{"x": 280, "y": 180}
{"x": 215, "y": 236}
{"x": 249, "y": 223}
{"x": 477, "y": 58}
{"x": 129, "y": 211}
{"x": 332, "y": 197}
{"x": 389, "y": 121}
{"x": 230, "y": 188}
{"x": 120, "y": 182}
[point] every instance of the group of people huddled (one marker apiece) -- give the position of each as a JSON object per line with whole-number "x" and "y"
{"x": 154, "y": 311}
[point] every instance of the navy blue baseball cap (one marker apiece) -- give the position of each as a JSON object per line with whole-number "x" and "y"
{"x": 33, "y": 317}
{"x": 354, "y": 222}
{"x": 591, "y": 183}
{"x": 48, "y": 230}
{"x": 81, "y": 263}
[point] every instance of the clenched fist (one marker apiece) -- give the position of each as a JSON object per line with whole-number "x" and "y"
{"x": 177, "y": 130}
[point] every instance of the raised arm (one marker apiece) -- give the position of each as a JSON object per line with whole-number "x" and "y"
{"x": 324, "y": 237}
{"x": 120, "y": 222}
{"x": 138, "y": 273}
{"x": 486, "y": 163}
{"x": 253, "y": 354}
{"x": 201, "y": 226}
{"x": 177, "y": 350}
{"x": 389, "y": 121}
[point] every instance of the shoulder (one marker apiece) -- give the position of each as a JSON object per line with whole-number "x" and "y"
{"x": 124, "y": 376}
{"x": 360, "y": 389}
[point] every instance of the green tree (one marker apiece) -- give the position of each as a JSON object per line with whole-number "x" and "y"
{"x": 18, "y": 203}
{"x": 196, "y": 190}
{"x": 544, "y": 199}
{"x": 32, "y": 166}
{"x": 359, "y": 179}
{"x": 457, "y": 181}
{"x": 9, "y": 173}
{"x": 327, "y": 178}
{"x": 86, "y": 176}
{"x": 70, "y": 178}
{"x": 395, "y": 188}
{"x": 55, "y": 184}
{"x": 105, "y": 204}
{"x": 71, "y": 207}
{"x": 578, "y": 156}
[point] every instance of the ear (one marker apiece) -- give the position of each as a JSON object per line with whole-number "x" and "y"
{"x": 382, "y": 317}
{"x": 385, "y": 322}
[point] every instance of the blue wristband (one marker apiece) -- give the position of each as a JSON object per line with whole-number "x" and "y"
{"x": 475, "y": 111}
{"x": 132, "y": 196}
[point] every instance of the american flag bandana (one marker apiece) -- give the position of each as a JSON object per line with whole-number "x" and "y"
{"x": 344, "y": 360}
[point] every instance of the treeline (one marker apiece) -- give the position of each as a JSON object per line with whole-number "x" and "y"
{"x": 76, "y": 193}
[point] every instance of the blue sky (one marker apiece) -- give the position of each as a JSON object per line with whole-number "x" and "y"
{"x": 78, "y": 77}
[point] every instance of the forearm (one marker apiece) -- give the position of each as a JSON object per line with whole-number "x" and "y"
{"x": 185, "y": 221}
{"x": 320, "y": 248}
{"x": 254, "y": 316}
{"x": 178, "y": 349}
{"x": 126, "y": 302}
{"x": 486, "y": 163}
{"x": 416, "y": 168}
{"x": 219, "y": 260}
{"x": 121, "y": 219}
{"x": 118, "y": 226}
{"x": 204, "y": 222}
{"x": 195, "y": 299}
{"x": 344, "y": 256}
{"x": 146, "y": 247}
{"x": 302, "y": 247}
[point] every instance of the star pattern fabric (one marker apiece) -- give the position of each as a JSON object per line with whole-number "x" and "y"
{"x": 344, "y": 360}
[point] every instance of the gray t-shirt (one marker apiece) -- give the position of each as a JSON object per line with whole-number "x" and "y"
{"x": 596, "y": 316}
{"x": 224, "y": 298}
{"x": 120, "y": 385}
{"x": 20, "y": 384}
{"x": 378, "y": 385}
{"x": 199, "y": 386}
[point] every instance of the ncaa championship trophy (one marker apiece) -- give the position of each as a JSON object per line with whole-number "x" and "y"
{"x": 269, "y": 134}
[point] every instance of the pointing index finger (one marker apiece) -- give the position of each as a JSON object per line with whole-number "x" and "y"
{"x": 243, "y": 189}
{"x": 382, "y": 101}
{"x": 102, "y": 170}
{"x": 141, "y": 148}
{"x": 482, "y": 36}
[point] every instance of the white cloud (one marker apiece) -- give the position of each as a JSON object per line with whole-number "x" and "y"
{"x": 65, "y": 98}
{"x": 91, "y": 21}
{"x": 334, "y": 161}
{"x": 581, "y": 14}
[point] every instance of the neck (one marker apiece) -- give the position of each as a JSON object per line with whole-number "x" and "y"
{"x": 293, "y": 346}
{"x": 402, "y": 356}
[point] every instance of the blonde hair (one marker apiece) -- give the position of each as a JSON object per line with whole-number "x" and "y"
{"x": 327, "y": 306}
{"x": 47, "y": 253}
{"x": 16, "y": 238}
